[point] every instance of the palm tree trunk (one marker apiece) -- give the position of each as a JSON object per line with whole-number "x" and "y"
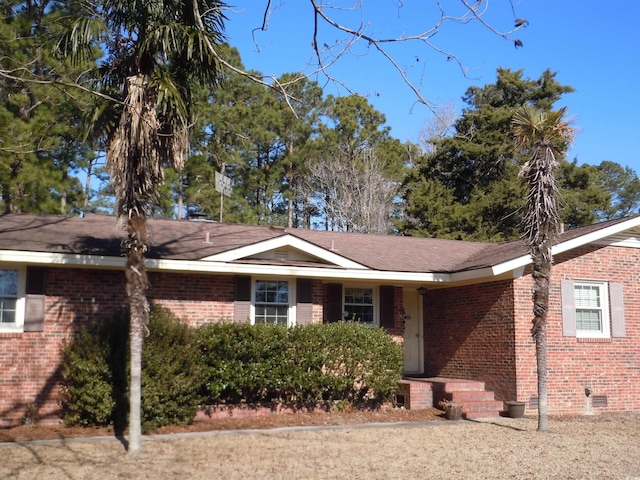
{"x": 541, "y": 277}
{"x": 139, "y": 317}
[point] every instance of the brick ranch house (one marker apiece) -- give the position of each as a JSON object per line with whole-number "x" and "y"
{"x": 461, "y": 309}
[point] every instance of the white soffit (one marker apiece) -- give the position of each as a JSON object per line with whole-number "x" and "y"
{"x": 281, "y": 242}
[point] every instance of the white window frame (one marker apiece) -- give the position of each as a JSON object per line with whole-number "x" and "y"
{"x": 18, "y": 325}
{"x": 603, "y": 308}
{"x": 374, "y": 303}
{"x": 291, "y": 292}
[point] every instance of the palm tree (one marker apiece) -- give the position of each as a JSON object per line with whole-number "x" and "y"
{"x": 157, "y": 50}
{"x": 542, "y": 135}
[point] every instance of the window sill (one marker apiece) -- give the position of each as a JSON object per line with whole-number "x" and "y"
{"x": 593, "y": 340}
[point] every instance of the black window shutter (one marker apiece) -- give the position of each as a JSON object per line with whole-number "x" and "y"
{"x": 387, "y": 306}
{"x": 333, "y": 312}
{"x": 304, "y": 290}
{"x": 35, "y": 300}
{"x": 242, "y": 288}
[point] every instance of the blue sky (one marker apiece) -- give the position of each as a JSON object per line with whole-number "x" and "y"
{"x": 593, "y": 46}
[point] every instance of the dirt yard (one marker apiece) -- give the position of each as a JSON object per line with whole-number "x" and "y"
{"x": 339, "y": 446}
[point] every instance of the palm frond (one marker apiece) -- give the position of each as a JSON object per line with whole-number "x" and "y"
{"x": 80, "y": 37}
{"x": 543, "y": 135}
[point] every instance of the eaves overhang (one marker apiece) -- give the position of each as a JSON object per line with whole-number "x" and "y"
{"x": 517, "y": 264}
{"x": 219, "y": 267}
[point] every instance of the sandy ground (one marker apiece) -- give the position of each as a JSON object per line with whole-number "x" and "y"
{"x": 599, "y": 447}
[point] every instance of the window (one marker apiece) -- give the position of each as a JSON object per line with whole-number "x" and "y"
{"x": 592, "y": 309}
{"x": 272, "y": 302}
{"x": 8, "y": 297}
{"x": 358, "y": 304}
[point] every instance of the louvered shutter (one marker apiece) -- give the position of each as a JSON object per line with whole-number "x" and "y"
{"x": 304, "y": 301}
{"x": 617, "y": 310}
{"x": 568, "y": 309}
{"x": 242, "y": 299}
{"x": 334, "y": 311}
{"x": 35, "y": 300}
{"x": 387, "y": 306}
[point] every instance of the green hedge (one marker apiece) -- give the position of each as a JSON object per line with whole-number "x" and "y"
{"x": 300, "y": 365}
{"x": 183, "y": 368}
{"x": 95, "y": 365}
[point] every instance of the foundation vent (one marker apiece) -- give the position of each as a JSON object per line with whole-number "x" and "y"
{"x": 599, "y": 401}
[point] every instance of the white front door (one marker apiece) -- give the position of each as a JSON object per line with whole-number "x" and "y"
{"x": 412, "y": 331}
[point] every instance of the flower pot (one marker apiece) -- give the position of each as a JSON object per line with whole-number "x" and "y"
{"x": 453, "y": 412}
{"x": 515, "y": 409}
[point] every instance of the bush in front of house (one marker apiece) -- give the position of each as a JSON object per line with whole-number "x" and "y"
{"x": 86, "y": 390}
{"x": 95, "y": 374}
{"x": 243, "y": 362}
{"x": 172, "y": 372}
{"x": 309, "y": 364}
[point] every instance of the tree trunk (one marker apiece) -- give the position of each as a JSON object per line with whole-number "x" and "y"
{"x": 541, "y": 277}
{"x": 139, "y": 317}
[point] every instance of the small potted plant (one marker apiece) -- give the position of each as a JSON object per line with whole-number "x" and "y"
{"x": 452, "y": 410}
{"x": 515, "y": 409}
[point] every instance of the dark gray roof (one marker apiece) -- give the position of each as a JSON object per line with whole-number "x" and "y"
{"x": 195, "y": 240}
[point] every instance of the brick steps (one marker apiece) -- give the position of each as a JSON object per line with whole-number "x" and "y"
{"x": 476, "y": 400}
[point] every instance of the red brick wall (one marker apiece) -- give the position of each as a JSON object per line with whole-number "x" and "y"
{"x": 609, "y": 367}
{"x": 197, "y": 299}
{"x": 76, "y": 297}
{"x": 30, "y": 372}
{"x": 469, "y": 333}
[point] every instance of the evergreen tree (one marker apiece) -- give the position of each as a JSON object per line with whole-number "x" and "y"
{"x": 41, "y": 146}
{"x": 479, "y": 168}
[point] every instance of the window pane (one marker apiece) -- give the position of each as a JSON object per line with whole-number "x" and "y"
{"x": 7, "y": 310}
{"x": 360, "y": 313}
{"x": 358, "y": 303}
{"x": 587, "y": 296}
{"x": 272, "y": 302}
{"x": 588, "y": 320}
{"x": 8, "y": 283}
{"x": 8, "y": 295}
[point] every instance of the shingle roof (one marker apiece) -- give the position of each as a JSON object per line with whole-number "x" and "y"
{"x": 195, "y": 240}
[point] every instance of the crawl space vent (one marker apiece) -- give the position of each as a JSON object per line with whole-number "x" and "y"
{"x": 599, "y": 401}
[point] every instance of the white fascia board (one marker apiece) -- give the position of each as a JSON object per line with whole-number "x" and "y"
{"x": 280, "y": 242}
{"x": 294, "y": 271}
{"x": 596, "y": 236}
{"x": 186, "y": 266}
{"x": 45, "y": 258}
{"x": 517, "y": 264}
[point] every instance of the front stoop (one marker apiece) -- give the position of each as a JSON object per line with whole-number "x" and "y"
{"x": 476, "y": 400}
{"x": 414, "y": 394}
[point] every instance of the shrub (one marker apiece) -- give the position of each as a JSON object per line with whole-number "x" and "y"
{"x": 86, "y": 389}
{"x": 242, "y": 361}
{"x": 172, "y": 372}
{"x": 95, "y": 373}
{"x": 305, "y": 364}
